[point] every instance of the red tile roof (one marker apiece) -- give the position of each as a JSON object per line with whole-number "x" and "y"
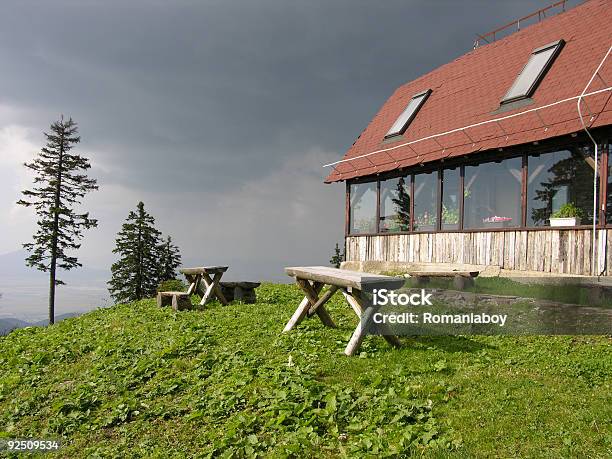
{"x": 468, "y": 90}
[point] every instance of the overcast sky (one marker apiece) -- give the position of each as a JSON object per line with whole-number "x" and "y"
{"x": 217, "y": 114}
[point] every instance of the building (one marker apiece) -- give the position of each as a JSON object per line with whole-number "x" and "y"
{"x": 468, "y": 163}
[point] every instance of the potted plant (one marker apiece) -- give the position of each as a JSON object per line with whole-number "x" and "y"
{"x": 425, "y": 221}
{"x": 450, "y": 216}
{"x": 567, "y": 215}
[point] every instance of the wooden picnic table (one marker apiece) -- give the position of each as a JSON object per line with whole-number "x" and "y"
{"x": 202, "y": 275}
{"x": 354, "y": 285}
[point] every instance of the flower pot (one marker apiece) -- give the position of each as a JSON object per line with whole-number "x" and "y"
{"x": 567, "y": 221}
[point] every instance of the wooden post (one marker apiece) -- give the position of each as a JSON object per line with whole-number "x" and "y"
{"x": 326, "y": 296}
{"x": 360, "y": 333}
{"x": 313, "y": 299}
{"x": 301, "y": 310}
{"x": 364, "y": 310}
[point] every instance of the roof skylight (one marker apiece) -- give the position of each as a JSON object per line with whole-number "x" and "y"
{"x": 538, "y": 64}
{"x": 404, "y": 120}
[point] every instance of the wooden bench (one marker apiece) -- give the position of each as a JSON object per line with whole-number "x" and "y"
{"x": 240, "y": 291}
{"x": 178, "y": 300}
{"x": 354, "y": 285}
{"x": 461, "y": 279}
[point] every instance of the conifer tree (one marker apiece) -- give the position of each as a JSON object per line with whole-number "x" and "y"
{"x": 137, "y": 272}
{"x": 337, "y": 257}
{"x": 170, "y": 259}
{"x": 60, "y": 185}
{"x": 402, "y": 205}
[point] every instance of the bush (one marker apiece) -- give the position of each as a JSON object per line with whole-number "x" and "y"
{"x": 172, "y": 285}
{"x": 567, "y": 211}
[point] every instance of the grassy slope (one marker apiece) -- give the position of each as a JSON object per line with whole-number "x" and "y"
{"x": 139, "y": 381}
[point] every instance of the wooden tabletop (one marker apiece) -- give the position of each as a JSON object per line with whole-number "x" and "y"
{"x": 204, "y": 269}
{"x": 345, "y": 278}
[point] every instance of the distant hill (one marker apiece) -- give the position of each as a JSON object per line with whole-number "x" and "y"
{"x": 24, "y": 291}
{"x": 9, "y": 324}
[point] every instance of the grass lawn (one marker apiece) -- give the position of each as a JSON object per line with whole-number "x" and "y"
{"x": 135, "y": 380}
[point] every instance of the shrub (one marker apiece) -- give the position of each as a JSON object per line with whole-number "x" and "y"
{"x": 172, "y": 285}
{"x": 567, "y": 211}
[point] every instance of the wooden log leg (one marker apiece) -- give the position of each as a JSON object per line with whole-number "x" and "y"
{"x": 316, "y": 304}
{"x": 353, "y": 303}
{"x": 301, "y": 311}
{"x": 209, "y": 291}
{"x": 324, "y": 299}
{"x": 325, "y": 317}
{"x": 181, "y": 303}
{"x": 360, "y": 333}
{"x": 163, "y": 300}
{"x": 216, "y": 288}
{"x": 298, "y": 315}
{"x": 462, "y": 282}
{"x": 421, "y": 281}
{"x": 193, "y": 287}
{"x": 393, "y": 340}
{"x": 319, "y": 308}
{"x": 360, "y": 304}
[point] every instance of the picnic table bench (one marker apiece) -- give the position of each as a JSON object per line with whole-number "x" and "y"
{"x": 178, "y": 300}
{"x": 461, "y": 279}
{"x": 240, "y": 291}
{"x": 354, "y": 285}
{"x": 202, "y": 275}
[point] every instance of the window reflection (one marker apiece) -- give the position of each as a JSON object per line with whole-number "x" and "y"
{"x": 450, "y": 199}
{"x": 559, "y": 179}
{"x": 426, "y": 201}
{"x": 363, "y": 208}
{"x": 395, "y": 205}
{"x": 492, "y": 197}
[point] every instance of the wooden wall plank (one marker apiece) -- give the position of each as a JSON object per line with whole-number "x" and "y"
{"x": 554, "y": 251}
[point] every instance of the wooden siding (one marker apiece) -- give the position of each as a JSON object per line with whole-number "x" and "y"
{"x": 564, "y": 251}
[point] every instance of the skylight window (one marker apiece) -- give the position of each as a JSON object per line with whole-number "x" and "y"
{"x": 404, "y": 120}
{"x": 533, "y": 72}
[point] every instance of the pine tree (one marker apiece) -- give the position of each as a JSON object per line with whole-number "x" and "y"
{"x": 60, "y": 185}
{"x": 170, "y": 259}
{"x": 337, "y": 257}
{"x": 402, "y": 205}
{"x": 137, "y": 272}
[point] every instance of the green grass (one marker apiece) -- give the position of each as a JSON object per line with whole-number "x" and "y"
{"x": 564, "y": 292}
{"x": 138, "y": 381}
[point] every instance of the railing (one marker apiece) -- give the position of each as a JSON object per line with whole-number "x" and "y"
{"x": 490, "y": 37}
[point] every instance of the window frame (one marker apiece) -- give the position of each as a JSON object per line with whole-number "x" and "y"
{"x": 557, "y": 45}
{"x": 391, "y": 133}
{"x": 523, "y": 151}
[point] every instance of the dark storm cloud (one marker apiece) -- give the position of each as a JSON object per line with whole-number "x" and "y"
{"x": 221, "y": 91}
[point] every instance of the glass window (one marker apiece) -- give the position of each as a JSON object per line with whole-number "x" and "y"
{"x": 492, "y": 196}
{"x": 363, "y": 208}
{"x": 402, "y": 122}
{"x": 426, "y": 201}
{"x": 395, "y": 205}
{"x": 450, "y": 199}
{"x": 534, "y": 70}
{"x": 559, "y": 179}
